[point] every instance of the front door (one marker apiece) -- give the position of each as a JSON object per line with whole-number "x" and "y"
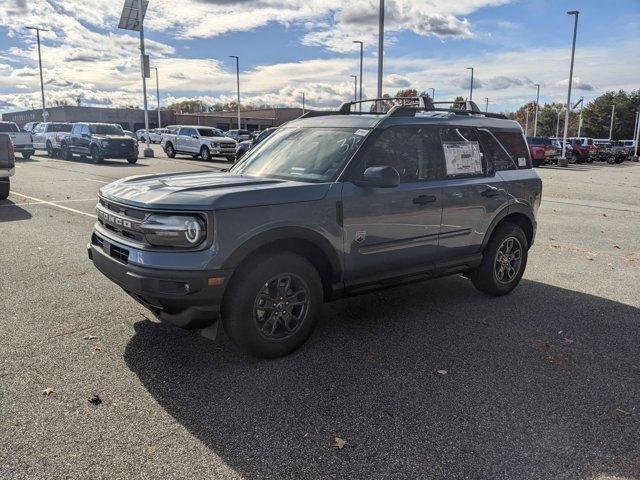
{"x": 393, "y": 231}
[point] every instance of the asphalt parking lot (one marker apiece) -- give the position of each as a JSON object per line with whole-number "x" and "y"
{"x": 541, "y": 384}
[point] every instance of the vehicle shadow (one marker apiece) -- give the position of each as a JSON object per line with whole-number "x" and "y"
{"x": 10, "y": 212}
{"x": 542, "y": 383}
{"x": 588, "y": 167}
{"x": 108, "y": 162}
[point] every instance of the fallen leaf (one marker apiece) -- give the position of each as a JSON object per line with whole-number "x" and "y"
{"x": 97, "y": 348}
{"x": 616, "y": 247}
{"x": 89, "y": 337}
{"x": 568, "y": 340}
{"x": 95, "y": 400}
{"x": 371, "y": 358}
{"x": 624, "y": 412}
{"x": 48, "y": 391}
{"x": 441, "y": 372}
{"x": 339, "y": 443}
{"x": 604, "y": 214}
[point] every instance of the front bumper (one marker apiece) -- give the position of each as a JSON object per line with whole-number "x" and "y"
{"x": 185, "y": 299}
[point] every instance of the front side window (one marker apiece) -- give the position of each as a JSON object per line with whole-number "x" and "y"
{"x": 59, "y": 127}
{"x": 306, "y": 154}
{"x": 9, "y": 127}
{"x": 107, "y": 129}
{"x": 85, "y": 130}
{"x": 40, "y": 128}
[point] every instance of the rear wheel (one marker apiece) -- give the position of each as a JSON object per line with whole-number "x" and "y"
{"x": 132, "y": 160}
{"x": 231, "y": 159}
{"x": 205, "y": 154}
{"x": 65, "y": 152}
{"x": 95, "y": 155}
{"x": 573, "y": 158}
{"x": 270, "y": 307}
{"x": 5, "y": 186}
{"x": 26, "y": 155}
{"x": 503, "y": 262}
{"x": 170, "y": 151}
{"x": 611, "y": 159}
{"x": 50, "y": 151}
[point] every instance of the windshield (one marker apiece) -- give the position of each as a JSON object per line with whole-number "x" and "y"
{"x": 9, "y": 127}
{"x": 210, "y": 132}
{"x": 311, "y": 154}
{"x": 107, "y": 130}
{"x": 59, "y": 127}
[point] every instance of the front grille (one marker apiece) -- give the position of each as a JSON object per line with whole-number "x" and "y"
{"x": 228, "y": 145}
{"x": 125, "y": 222}
{"x": 114, "y": 251}
{"x": 119, "y": 148}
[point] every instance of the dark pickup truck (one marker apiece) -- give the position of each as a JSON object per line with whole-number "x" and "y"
{"x": 7, "y": 164}
{"x": 99, "y": 141}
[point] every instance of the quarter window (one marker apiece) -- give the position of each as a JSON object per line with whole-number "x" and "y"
{"x": 494, "y": 152}
{"x": 516, "y": 147}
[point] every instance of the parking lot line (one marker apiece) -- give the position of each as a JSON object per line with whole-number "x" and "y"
{"x": 39, "y": 200}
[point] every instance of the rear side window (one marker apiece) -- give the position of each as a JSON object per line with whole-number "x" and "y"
{"x": 515, "y": 146}
{"x": 462, "y": 154}
{"x": 9, "y": 128}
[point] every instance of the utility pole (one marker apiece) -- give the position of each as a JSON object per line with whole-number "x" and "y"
{"x": 562, "y": 161}
{"x": 526, "y": 123}
{"x": 558, "y": 122}
{"x": 45, "y": 114}
{"x": 535, "y": 121}
{"x": 158, "y": 97}
{"x": 471, "y": 86}
{"x": 238, "y": 84}
{"x": 635, "y": 154}
{"x": 580, "y": 118}
{"x": 355, "y": 87}
{"x": 361, "y": 59}
{"x": 303, "y": 109}
{"x": 433, "y": 93}
{"x": 380, "y": 49}
{"x": 613, "y": 112}
{"x": 486, "y": 106}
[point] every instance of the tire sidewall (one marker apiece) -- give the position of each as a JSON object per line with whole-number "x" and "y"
{"x": 95, "y": 155}
{"x": 205, "y": 154}
{"x": 238, "y": 305}
{"x": 170, "y": 151}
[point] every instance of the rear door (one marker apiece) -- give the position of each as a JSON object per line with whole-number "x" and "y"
{"x": 393, "y": 231}
{"x": 74, "y": 138}
{"x": 472, "y": 192}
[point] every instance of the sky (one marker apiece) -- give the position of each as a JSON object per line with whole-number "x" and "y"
{"x": 291, "y": 46}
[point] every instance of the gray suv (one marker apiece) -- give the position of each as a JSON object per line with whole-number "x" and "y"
{"x": 332, "y": 204}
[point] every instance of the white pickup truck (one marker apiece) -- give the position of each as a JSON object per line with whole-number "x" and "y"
{"x": 7, "y": 164}
{"x": 47, "y": 136}
{"x": 205, "y": 142}
{"x": 22, "y": 141}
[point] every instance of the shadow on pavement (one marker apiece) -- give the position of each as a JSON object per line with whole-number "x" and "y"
{"x": 10, "y": 212}
{"x": 542, "y": 383}
{"x": 587, "y": 167}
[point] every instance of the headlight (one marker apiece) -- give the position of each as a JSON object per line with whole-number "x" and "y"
{"x": 104, "y": 143}
{"x": 181, "y": 231}
{"x": 215, "y": 144}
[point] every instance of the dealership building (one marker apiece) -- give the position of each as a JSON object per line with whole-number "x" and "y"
{"x": 133, "y": 118}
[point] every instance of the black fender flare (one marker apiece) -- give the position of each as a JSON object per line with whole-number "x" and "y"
{"x": 291, "y": 233}
{"x": 520, "y": 208}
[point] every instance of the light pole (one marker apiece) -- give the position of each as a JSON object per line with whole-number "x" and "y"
{"x": 558, "y": 122}
{"x": 433, "y": 93}
{"x": 238, "y": 84}
{"x": 44, "y": 107}
{"x": 380, "y": 48}
{"x": 613, "y": 112}
{"x": 581, "y": 102}
{"x": 535, "y": 121}
{"x": 355, "y": 87}
{"x": 471, "y": 86}
{"x": 562, "y": 161}
{"x": 486, "y": 106}
{"x": 158, "y": 96}
{"x": 635, "y": 154}
{"x": 526, "y": 123}
{"x": 303, "y": 109}
{"x": 361, "y": 58}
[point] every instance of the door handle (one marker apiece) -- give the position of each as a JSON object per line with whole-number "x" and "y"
{"x": 491, "y": 192}
{"x": 424, "y": 199}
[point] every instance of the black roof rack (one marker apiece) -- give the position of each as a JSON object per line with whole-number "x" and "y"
{"x": 408, "y": 107}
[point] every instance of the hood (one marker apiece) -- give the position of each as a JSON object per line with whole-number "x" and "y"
{"x": 112, "y": 137}
{"x": 209, "y": 190}
{"x": 218, "y": 139}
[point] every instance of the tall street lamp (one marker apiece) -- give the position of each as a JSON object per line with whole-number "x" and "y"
{"x": 238, "y": 84}
{"x": 535, "y": 121}
{"x": 158, "y": 96}
{"x": 471, "y": 86}
{"x": 380, "y": 47}
{"x": 637, "y": 137}
{"x": 355, "y": 87}
{"x": 558, "y": 122}
{"x": 45, "y": 114}
{"x": 433, "y": 93}
{"x": 526, "y": 122}
{"x": 562, "y": 161}
{"x": 613, "y": 113}
{"x": 486, "y": 106}
{"x": 581, "y": 103}
{"x": 303, "y": 108}
{"x": 361, "y": 58}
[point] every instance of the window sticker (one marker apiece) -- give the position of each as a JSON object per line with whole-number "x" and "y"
{"x": 362, "y": 132}
{"x": 462, "y": 158}
{"x": 522, "y": 162}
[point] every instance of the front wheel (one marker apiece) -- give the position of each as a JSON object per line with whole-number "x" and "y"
{"x": 170, "y": 151}
{"x": 65, "y": 152}
{"x": 205, "y": 154}
{"x": 573, "y": 159}
{"x": 270, "y": 307}
{"x": 50, "y": 151}
{"x": 132, "y": 160}
{"x": 5, "y": 186}
{"x": 95, "y": 155}
{"x": 503, "y": 262}
{"x": 231, "y": 159}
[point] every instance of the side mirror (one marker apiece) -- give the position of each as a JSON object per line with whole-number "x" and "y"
{"x": 379, "y": 177}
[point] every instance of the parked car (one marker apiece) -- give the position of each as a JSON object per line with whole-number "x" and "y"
{"x": 542, "y": 150}
{"x": 619, "y": 152}
{"x": 22, "y": 141}
{"x": 47, "y": 136}
{"x": 583, "y": 150}
{"x": 30, "y": 126}
{"x": 99, "y": 141}
{"x": 7, "y": 164}
{"x": 155, "y": 135}
{"x": 334, "y": 204}
{"x": 130, "y": 134}
{"x": 239, "y": 135}
{"x": 205, "y": 142}
{"x": 244, "y": 147}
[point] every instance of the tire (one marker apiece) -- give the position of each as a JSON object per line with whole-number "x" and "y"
{"x": 132, "y": 160}
{"x": 205, "y": 154}
{"x": 26, "y": 155}
{"x": 5, "y": 186}
{"x": 619, "y": 160}
{"x": 95, "y": 155}
{"x": 51, "y": 153}
{"x": 486, "y": 277}
{"x": 65, "y": 152}
{"x": 611, "y": 159}
{"x": 590, "y": 160}
{"x": 262, "y": 279}
{"x": 170, "y": 151}
{"x": 231, "y": 159}
{"x": 573, "y": 159}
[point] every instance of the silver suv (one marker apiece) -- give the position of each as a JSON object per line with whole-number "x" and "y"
{"x": 331, "y": 204}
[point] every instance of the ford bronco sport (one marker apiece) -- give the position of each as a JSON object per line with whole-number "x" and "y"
{"x": 331, "y": 204}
